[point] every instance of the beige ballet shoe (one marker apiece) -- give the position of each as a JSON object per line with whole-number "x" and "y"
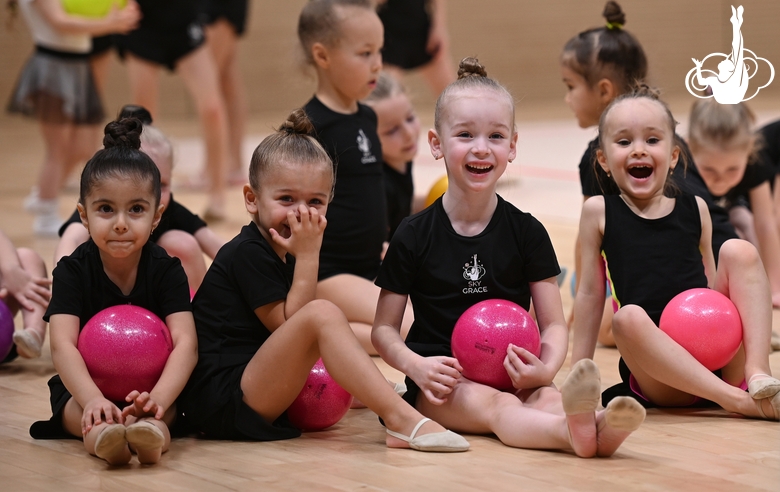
{"x": 775, "y": 402}
{"x": 624, "y": 414}
{"x": 764, "y": 387}
{"x": 441, "y": 442}
{"x": 581, "y": 390}
{"x": 775, "y": 341}
{"x": 399, "y": 388}
{"x": 28, "y": 343}
{"x": 110, "y": 442}
{"x": 144, "y": 435}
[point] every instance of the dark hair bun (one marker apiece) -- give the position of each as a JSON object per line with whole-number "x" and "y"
{"x": 614, "y": 14}
{"x": 135, "y": 111}
{"x": 123, "y": 133}
{"x": 644, "y": 90}
{"x": 470, "y": 67}
{"x": 298, "y": 123}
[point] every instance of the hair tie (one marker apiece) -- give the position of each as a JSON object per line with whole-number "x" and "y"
{"x": 614, "y": 26}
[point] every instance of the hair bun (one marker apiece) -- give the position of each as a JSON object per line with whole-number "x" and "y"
{"x": 135, "y": 111}
{"x": 642, "y": 89}
{"x": 470, "y": 67}
{"x": 125, "y": 132}
{"x": 297, "y": 123}
{"x": 614, "y": 15}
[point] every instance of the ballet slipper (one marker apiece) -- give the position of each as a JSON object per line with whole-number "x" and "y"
{"x": 581, "y": 390}
{"x": 442, "y": 442}
{"x": 144, "y": 436}
{"x": 111, "y": 443}
{"x": 764, "y": 387}
{"x": 399, "y": 388}
{"x": 775, "y": 402}
{"x": 28, "y": 343}
{"x": 623, "y": 413}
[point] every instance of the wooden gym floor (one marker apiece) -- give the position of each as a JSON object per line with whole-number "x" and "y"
{"x": 674, "y": 450}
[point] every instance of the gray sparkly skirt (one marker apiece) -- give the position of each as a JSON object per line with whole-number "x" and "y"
{"x": 57, "y": 87}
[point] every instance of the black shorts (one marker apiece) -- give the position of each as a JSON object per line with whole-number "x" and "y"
{"x": 164, "y": 47}
{"x": 407, "y": 26}
{"x": 53, "y": 428}
{"x": 101, "y": 44}
{"x": 216, "y": 409}
{"x": 233, "y": 11}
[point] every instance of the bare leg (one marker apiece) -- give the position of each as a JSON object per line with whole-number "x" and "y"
{"x": 439, "y": 72}
{"x": 199, "y": 74}
{"x": 278, "y": 371}
{"x": 186, "y": 248}
{"x": 100, "y": 65}
{"x": 666, "y": 372}
{"x": 29, "y": 345}
{"x": 223, "y": 42}
{"x": 357, "y": 298}
{"x": 144, "y": 77}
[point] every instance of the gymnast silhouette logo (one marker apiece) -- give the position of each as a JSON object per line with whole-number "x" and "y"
{"x": 364, "y": 145}
{"x": 473, "y": 270}
{"x": 730, "y": 84}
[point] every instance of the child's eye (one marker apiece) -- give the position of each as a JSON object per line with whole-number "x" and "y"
{"x": 496, "y": 135}
{"x": 104, "y": 209}
{"x": 653, "y": 140}
{"x": 137, "y": 209}
{"x": 285, "y": 198}
{"x": 464, "y": 135}
{"x": 392, "y": 131}
{"x": 623, "y": 142}
{"x": 315, "y": 201}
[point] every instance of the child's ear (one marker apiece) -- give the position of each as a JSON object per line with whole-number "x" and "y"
{"x": 513, "y": 146}
{"x": 157, "y": 216}
{"x": 250, "y": 199}
{"x": 602, "y": 160}
{"x": 319, "y": 53}
{"x": 606, "y": 91}
{"x": 83, "y": 215}
{"x": 435, "y": 144}
{"x": 675, "y": 157}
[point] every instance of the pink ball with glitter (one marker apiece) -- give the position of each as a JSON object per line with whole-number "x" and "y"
{"x": 125, "y": 348}
{"x": 483, "y": 333}
{"x": 706, "y": 324}
{"x": 321, "y": 403}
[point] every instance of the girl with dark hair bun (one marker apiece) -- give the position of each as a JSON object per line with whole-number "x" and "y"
{"x": 470, "y": 246}
{"x": 119, "y": 204}
{"x": 260, "y": 328}
{"x": 183, "y": 234}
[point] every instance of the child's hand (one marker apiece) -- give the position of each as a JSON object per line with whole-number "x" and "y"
{"x": 436, "y": 377}
{"x": 27, "y": 289}
{"x": 98, "y": 411}
{"x": 125, "y": 19}
{"x": 525, "y": 369}
{"x": 306, "y": 229}
{"x": 142, "y": 405}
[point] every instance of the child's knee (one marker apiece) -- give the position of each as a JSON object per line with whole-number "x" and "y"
{"x": 181, "y": 245}
{"x": 738, "y": 252}
{"x": 321, "y": 312}
{"x": 30, "y": 259}
{"x": 627, "y": 319}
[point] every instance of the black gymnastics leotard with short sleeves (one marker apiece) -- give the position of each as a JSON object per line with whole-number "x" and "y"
{"x": 357, "y": 216}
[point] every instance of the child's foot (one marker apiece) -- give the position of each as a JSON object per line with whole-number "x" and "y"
{"x": 438, "y": 440}
{"x": 763, "y": 386}
{"x": 622, "y": 416}
{"x": 147, "y": 440}
{"x": 28, "y": 343}
{"x": 111, "y": 445}
{"x": 580, "y": 394}
{"x": 769, "y": 408}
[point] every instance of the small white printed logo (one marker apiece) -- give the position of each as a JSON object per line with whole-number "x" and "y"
{"x": 364, "y": 144}
{"x": 473, "y": 272}
{"x": 729, "y": 84}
